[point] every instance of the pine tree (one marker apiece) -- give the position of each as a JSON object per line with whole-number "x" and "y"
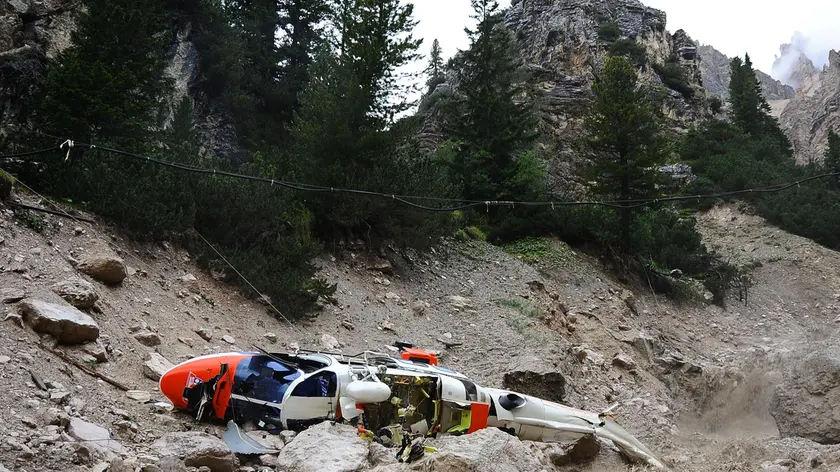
{"x": 435, "y": 68}
{"x": 339, "y": 137}
{"x": 749, "y": 108}
{"x": 298, "y": 20}
{"x": 832, "y": 153}
{"x": 624, "y": 134}
{"x": 493, "y": 124}
{"x": 107, "y": 86}
{"x": 751, "y": 112}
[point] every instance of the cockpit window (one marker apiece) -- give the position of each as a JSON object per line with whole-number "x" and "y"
{"x": 322, "y": 384}
{"x": 263, "y": 378}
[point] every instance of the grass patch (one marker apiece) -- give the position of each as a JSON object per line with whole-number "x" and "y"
{"x": 537, "y": 251}
{"x": 524, "y": 316}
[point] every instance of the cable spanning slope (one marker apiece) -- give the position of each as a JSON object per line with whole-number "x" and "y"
{"x": 455, "y": 204}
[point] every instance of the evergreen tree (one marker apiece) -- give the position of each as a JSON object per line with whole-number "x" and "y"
{"x": 625, "y": 138}
{"x": 107, "y": 86}
{"x": 751, "y": 112}
{"x": 339, "y": 138}
{"x": 494, "y": 125}
{"x": 435, "y": 68}
{"x": 298, "y": 20}
{"x": 832, "y": 153}
{"x": 749, "y": 108}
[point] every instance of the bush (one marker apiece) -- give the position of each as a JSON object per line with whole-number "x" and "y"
{"x": 631, "y": 49}
{"x": 609, "y": 31}
{"x": 670, "y": 241}
{"x": 715, "y": 105}
{"x": 673, "y": 76}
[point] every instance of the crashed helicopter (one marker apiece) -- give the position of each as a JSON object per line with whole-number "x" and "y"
{"x": 398, "y": 398}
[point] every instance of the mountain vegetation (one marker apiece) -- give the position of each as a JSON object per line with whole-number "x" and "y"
{"x": 315, "y": 93}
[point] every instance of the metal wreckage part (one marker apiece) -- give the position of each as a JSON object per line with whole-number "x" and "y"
{"x": 398, "y": 401}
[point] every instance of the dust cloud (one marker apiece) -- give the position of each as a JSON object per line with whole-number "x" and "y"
{"x": 814, "y": 47}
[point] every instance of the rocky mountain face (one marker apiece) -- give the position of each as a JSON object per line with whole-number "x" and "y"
{"x": 561, "y": 48}
{"x": 30, "y": 33}
{"x": 792, "y": 66}
{"x": 715, "y": 70}
{"x": 814, "y": 111}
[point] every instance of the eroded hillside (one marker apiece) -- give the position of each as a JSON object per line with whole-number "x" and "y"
{"x": 695, "y": 382}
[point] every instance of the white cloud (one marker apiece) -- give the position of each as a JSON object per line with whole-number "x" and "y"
{"x": 757, "y": 27}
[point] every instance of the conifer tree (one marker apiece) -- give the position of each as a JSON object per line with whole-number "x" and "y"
{"x": 749, "y": 108}
{"x": 493, "y": 124}
{"x": 832, "y": 153}
{"x": 623, "y": 132}
{"x": 435, "y": 68}
{"x": 299, "y": 21}
{"x": 108, "y": 84}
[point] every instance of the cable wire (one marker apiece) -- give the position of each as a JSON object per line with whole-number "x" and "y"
{"x": 461, "y": 204}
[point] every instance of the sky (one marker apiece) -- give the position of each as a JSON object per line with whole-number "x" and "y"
{"x": 734, "y": 27}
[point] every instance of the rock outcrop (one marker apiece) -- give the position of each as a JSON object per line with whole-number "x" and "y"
{"x": 30, "y": 33}
{"x": 107, "y": 269}
{"x": 196, "y": 449}
{"x": 77, "y": 292}
{"x": 793, "y": 66}
{"x": 805, "y": 404}
{"x": 325, "y": 448}
{"x": 65, "y": 323}
{"x": 155, "y": 366}
{"x": 549, "y": 386}
{"x": 716, "y": 72}
{"x": 813, "y": 112}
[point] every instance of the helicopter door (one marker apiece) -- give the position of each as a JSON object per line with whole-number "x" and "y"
{"x": 221, "y": 395}
{"x": 312, "y": 400}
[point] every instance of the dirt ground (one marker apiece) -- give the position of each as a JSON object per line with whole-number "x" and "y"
{"x": 696, "y": 394}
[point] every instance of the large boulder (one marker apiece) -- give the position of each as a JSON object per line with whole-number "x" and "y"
{"x": 325, "y": 448}
{"x": 106, "y": 269}
{"x": 65, "y": 323}
{"x": 488, "y": 450}
{"x": 155, "y": 366}
{"x": 549, "y": 386}
{"x": 196, "y": 449}
{"x": 77, "y": 292}
{"x": 805, "y": 403}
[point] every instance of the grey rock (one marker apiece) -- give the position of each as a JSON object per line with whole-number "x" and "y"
{"x": 325, "y": 448}
{"x": 66, "y": 324}
{"x": 140, "y": 396}
{"x": 624, "y": 361}
{"x": 88, "y": 432}
{"x": 109, "y": 270}
{"x": 11, "y": 295}
{"x": 487, "y": 450}
{"x": 805, "y": 403}
{"x": 147, "y": 338}
{"x": 204, "y": 334}
{"x": 77, "y": 292}
{"x": 329, "y": 342}
{"x": 196, "y": 449}
{"x": 813, "y": 112}
{"x": 716, "y": 72}
{"x": 190, "y": 282}
{"x": 229, "y": 339}
{"x": 155, "y": 366}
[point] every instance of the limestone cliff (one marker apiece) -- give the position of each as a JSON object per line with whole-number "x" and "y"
{"x": 564, "y": 53}
{"x": 30, "y": 33}
{"x": 814, "y": 111}
{"x": 715, "y": 69}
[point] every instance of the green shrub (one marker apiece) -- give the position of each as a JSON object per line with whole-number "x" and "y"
{"x": 631, "y": 49}
{"x": 476, "y": 233}
{"x": 715, "y": 105}
{"x": 670, "y": 241}
{"x": 673, "y": 76}
{"x": 609, "y": 31}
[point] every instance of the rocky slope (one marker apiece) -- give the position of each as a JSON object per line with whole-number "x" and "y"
{"x": 814, "y": 111}
{"x": 716, "y": 72}
{"x": 696, "y": 383}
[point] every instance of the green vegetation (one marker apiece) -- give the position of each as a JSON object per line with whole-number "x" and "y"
{"x": 630, "y": 49}
{"x": 524, "y": 317}
{"x": 312, "y": 89}
{"x": 715, "y": 105}
{"x": 673, "y": 76}
{"x": 609, "y": 31}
